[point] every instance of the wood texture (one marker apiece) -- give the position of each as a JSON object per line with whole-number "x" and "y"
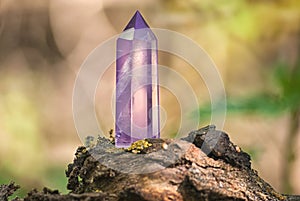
{"x": 205, "y": 165}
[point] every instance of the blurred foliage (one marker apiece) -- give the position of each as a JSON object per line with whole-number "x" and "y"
{"x": 263, "y": 103}
{"x": 23, "y": 158}
{"x": 20, "y": 129}
{"x": 6, "y": 177}
{"x": 288, "y": 79}
{"x": 271, "y": 103}
{"x": 55, "y": 178}
{"x": 254, "y": 151}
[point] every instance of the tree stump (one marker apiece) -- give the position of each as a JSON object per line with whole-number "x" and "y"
{"x": 205, "y": 165}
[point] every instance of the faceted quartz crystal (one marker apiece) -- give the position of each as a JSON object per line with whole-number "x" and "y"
{"x": 137, "y": 93}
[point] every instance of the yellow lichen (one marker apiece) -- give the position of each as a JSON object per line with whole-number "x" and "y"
{"x": 138, "y": 146}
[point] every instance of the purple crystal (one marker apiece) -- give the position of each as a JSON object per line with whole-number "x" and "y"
{"x": 137, "y": 93}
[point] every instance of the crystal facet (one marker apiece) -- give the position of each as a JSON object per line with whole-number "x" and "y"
{"x": 137, "y": 93}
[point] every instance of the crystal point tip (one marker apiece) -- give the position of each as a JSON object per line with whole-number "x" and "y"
{"x": 137, "y": 22}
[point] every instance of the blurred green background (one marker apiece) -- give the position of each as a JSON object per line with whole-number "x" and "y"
{"x": 255, "y": 45}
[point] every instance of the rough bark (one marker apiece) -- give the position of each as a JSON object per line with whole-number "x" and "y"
{"x": 205, "y": 165}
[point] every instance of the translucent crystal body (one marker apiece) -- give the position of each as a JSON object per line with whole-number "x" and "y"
{"x": 137, "y": 93}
